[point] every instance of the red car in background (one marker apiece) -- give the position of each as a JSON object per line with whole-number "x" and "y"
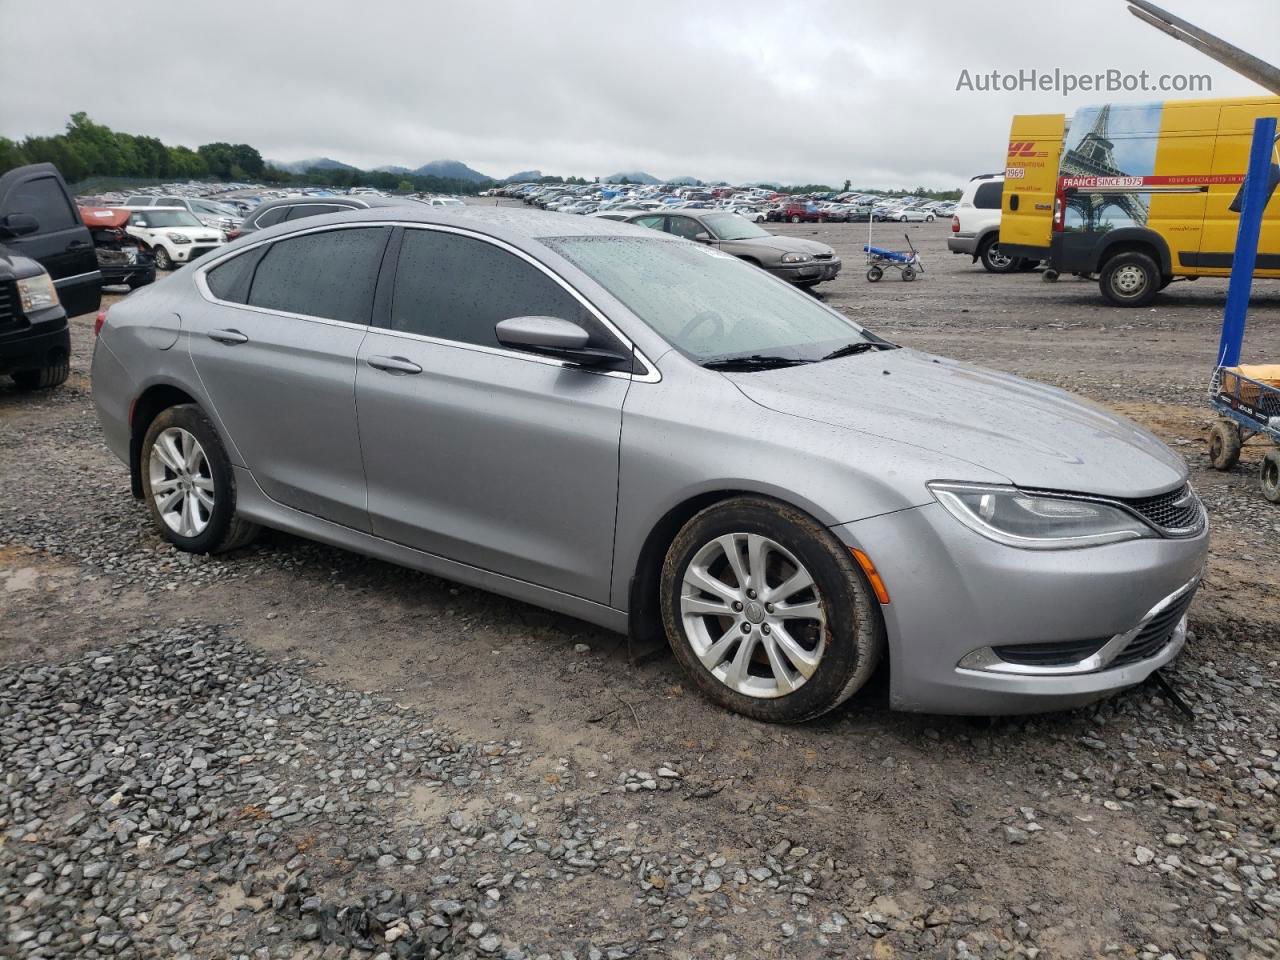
{"x": 797, "y": 212}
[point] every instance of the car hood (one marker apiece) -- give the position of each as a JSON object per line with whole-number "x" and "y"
{"x": 785, "y": 244}
{"x": 1035, "y": 435}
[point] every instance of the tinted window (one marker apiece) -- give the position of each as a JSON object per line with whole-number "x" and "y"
{"x": 313, "y": 210}
{"x": 170, "y": 202}
{"x": 271, "y": 217}
{"x": 684, "y": 227}
{"x": 457, "y": 288}
{"x": 227, "y": 281}
{"x": 43, "y": 199}
{"x": 330, "y": 274}
{"x": 987, "y": 196}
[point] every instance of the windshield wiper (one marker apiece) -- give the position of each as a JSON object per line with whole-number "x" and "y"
{"x": 852, "y": 349}
{"x": 755, "y": 361}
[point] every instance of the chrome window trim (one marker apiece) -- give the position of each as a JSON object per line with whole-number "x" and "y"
{"x": 650, "y": 376}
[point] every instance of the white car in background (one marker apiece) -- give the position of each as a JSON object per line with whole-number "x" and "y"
{"x": 172, "y": 234}
{"x": 913, "y": 215}
{"x": 443, "y": 202}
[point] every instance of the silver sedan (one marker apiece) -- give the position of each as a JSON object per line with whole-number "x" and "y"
{"x": 651, "y": 435}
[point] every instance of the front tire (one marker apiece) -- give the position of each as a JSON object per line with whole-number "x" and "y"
{"x": 163, "y": 260}
{"x": 188, "y": 484}
{"x": 1130, "y": 279}
{"x": 1269, "y": 475}
{"x": 767, "y": 612}
{"x": 794, "y": 218}
{"x": 43, "y": 378}
{"x": 1224, "y": 445}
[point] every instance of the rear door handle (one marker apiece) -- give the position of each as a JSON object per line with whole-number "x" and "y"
{"x": 396, "y": 365}
{"x": 229, "y": 337}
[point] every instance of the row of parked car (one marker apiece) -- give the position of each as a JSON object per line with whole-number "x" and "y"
{"x": 753, "y": 203}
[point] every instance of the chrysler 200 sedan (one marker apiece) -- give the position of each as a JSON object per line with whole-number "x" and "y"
{"x": 654, "y": 436}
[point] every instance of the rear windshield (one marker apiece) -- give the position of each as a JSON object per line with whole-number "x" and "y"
{"x": 987, "y": 196}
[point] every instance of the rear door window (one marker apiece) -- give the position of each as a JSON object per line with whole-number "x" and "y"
{"x": 229, "y": 280}
{"x": 685, "y": 227}
{"x": 271, "y": 217}
{"x": 330, "y": 275}
{"x": 987, "y": 196}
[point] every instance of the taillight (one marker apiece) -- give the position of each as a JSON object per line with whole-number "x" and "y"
{"x": 955, "y": 224}
{"x": 97, "y": 324}
{"x": 1059, "y": 214}
{"x": 232, "y": 234}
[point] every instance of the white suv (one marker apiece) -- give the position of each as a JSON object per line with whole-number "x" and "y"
{"x": 172, "y": 234}
{"x": 975, "y": 225}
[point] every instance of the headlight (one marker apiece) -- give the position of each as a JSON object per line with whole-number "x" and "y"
{"x": 796, "y": 258}
{"x": 37, "y": 293}
{"x": 1037, "y": 521}
{"x": 178, "y": 238}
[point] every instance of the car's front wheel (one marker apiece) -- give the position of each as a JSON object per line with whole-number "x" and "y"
{"x": 188, "y": 484}
{"x": 767, "y": 611}
{"x": 163, "y": 260}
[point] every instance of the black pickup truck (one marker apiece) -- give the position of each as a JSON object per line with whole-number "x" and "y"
{"x": 48, "y": 272}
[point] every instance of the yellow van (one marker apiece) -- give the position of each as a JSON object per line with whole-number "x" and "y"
{"x": 1136, "y": 194}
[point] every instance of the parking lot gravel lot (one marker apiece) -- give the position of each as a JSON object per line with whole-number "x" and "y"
{"x": 292, "y": 751}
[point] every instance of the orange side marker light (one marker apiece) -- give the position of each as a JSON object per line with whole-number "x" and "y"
{"x": 873, "y": 575}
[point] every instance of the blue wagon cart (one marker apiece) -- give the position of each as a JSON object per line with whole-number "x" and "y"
{"x": 1247, "y": 396}
{"x": 907, "y": 262}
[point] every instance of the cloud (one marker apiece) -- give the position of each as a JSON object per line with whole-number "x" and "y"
{"x": 812, "y": 91}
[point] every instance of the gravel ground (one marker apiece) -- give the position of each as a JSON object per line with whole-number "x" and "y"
{"x": 294, "y": 751}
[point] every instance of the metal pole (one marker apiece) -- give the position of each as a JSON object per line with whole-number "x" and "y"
{"x": 1254, "y": 200}
{"x": 1245, "y": 64}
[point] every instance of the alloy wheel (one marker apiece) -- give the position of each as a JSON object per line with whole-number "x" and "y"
{"x": 997, "y": 258}
{"x": 181, "y": 482}
{"x": 753, "y": 615}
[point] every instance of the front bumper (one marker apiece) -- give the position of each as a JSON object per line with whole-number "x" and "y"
{"x": 189, "y": 252}
{"x": 37, "y": 344}
{"x": 954, "y": 595}
{"x": 963, "y": 243}
{"x": 816, "y": 271}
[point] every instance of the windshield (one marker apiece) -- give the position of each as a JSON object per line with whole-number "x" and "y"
{"x": 170, "y": 218}
{"x": 209, "y": 206}
{"x": 730, "y": 226}
{"x": 707, "y": 304}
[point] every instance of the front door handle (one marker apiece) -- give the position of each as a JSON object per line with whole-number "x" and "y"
{"x": 396, "y": 365}
{"x": 229, "y": 337}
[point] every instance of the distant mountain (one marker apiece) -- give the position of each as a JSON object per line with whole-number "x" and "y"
{"x": 453, "y": 169}
{"x": 686, "y": 181}
{"x": 314, "y": 163}
{"x": 638, "y": 177}
{"x": 523, "y": 176}
{"x": 392, "y": 168}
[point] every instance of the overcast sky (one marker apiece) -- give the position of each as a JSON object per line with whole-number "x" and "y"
{"x": 795, "y": 92}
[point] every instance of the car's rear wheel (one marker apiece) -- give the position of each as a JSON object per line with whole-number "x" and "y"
{"x": 1130, "y": 279}
{"x": 767, "y": 612}
{"x": 163, "y": 260}
{"x": 188, "y": 484}
{"x": 795, "y": 218}
{"x": 42, "y": 378}
{"x": 996, "y": 260}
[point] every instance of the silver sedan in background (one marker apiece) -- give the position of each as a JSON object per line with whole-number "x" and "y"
{"x": 651, "y": 435}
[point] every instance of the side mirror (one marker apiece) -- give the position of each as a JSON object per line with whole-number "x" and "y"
{"x": 702, "y": 237}
{"x": 554, "y": 337}
{"x": 18, "y": 225}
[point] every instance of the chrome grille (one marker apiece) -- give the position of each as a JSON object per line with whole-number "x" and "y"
{"x": 1177, "y": 513}
{"x": 823, "y": 256}
{"x": 1156, "y": 635}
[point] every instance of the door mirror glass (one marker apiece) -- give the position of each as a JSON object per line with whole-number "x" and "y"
{"x": 702, "y": 237}
{"x": 18, "y": 225}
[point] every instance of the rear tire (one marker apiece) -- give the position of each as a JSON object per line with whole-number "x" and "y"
{"x": 188, "y": 484}
{"x": 1224, "y": 445}
{"x": 994, "y": 260}
{"x": 43, "y": 378}
{"x": 1269, "y": 475}
{"x": 806, "y": 634}
{"x": 794, "y": 218}
{"x": 1130, "y": 279}
{"x": 874, "y": 274}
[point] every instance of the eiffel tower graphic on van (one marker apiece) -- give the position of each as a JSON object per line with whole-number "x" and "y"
{"x": 1094, "y": 156}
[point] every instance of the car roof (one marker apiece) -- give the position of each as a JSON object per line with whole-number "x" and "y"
{"x": 515, "y": 225}
{"x": 359, "y": 201}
